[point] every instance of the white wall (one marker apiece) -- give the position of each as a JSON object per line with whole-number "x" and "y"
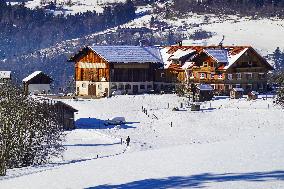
{"x": 82, "y": 87}
{"x": 39, "y": 88}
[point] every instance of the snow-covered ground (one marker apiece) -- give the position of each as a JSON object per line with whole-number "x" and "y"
{"x": 229, "y": 144}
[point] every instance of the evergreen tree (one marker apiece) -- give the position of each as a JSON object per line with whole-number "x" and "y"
{"x": 278, "y": 57}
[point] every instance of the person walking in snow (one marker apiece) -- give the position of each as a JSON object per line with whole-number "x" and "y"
{"x": 127, "y": 141}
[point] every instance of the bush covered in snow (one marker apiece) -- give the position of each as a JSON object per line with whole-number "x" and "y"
{"x": 29, "y": 130}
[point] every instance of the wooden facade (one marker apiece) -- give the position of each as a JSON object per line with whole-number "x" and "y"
{"x": 84, "y": 71}
{"x": 95, "y": 75}
{"x": 245, "y": 69}
{"x": 65, "y": 115}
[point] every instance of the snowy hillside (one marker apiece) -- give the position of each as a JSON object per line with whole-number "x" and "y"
{"x": 229, "y": 144}
{"x": 263, "y": 34}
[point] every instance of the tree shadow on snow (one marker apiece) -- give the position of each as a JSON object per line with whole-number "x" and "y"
{"x": 208, "y": 109}
{"x": 94, "y": 123}
{"x": 198, "y": 181}
{"x": 220, "y": 97}
{"x": 91, "y": 145}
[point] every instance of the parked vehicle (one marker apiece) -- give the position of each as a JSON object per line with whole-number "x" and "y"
{"x": 115, "y": 121}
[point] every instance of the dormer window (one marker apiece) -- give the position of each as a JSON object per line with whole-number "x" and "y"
{"x": 230, "y": 76}
{"x": 202, "y": 75}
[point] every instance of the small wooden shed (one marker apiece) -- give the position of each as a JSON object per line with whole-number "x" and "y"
{"x": 65, "y": 114}
{"x": 204, "y": 92}
{"x": 37, "y": 83}
{"x": 236, "y": 93}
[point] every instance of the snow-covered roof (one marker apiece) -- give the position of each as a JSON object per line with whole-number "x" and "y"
{"x": 204, "y": 87}
{"x": 128, "y": 54}
{"x": 181, "y": 53}
{"x": 5, "y": 74}
{"x": 233, "y": 58}
{"x": 165, "y": 57}
{"x": 187, "y": 65}
{"x": 220, "y": 55}
{"x": 26, "y": 79}
{"x": 238, "y": 89}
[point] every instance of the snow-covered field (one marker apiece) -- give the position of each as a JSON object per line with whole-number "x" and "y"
{"x": 229, "y": 144}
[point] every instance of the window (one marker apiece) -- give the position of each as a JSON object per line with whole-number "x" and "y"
{"x": 142, "y": 86}
{"x": 249, "y": 75}
{"x": 220, "y": 76}
{"x": 260, "y": 86}
{"x": 162, "y": 75}
{"x": 84, "y": 85}
{"x": 127, "y": 86}
{"x": 202, "y": 75}
{"x": 121, "y": 87}
{"x": 100, "y": 86}
{"x": 149, "y": 86}
{"x": 205, "y": 64}
{"x": 212, "y": 75}
{"x": 250, "y": 63}
{"x": 239, "y": 76}
{"x": 261, "y": 76}
{"x": 192, "y": 75}
{"x": 230, "y": 76}
{"x": 114, "y": 86}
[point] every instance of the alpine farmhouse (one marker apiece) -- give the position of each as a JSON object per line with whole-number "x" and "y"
{"x": 101, "y": 70}
{"x": 223, "y": 67}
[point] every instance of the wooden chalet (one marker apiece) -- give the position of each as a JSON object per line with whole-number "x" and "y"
{"x": 223, "y": 67}
{"x": 37, "y": 83}
{"x": 5, "y": 76}
{"x": 101, "y": 70}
